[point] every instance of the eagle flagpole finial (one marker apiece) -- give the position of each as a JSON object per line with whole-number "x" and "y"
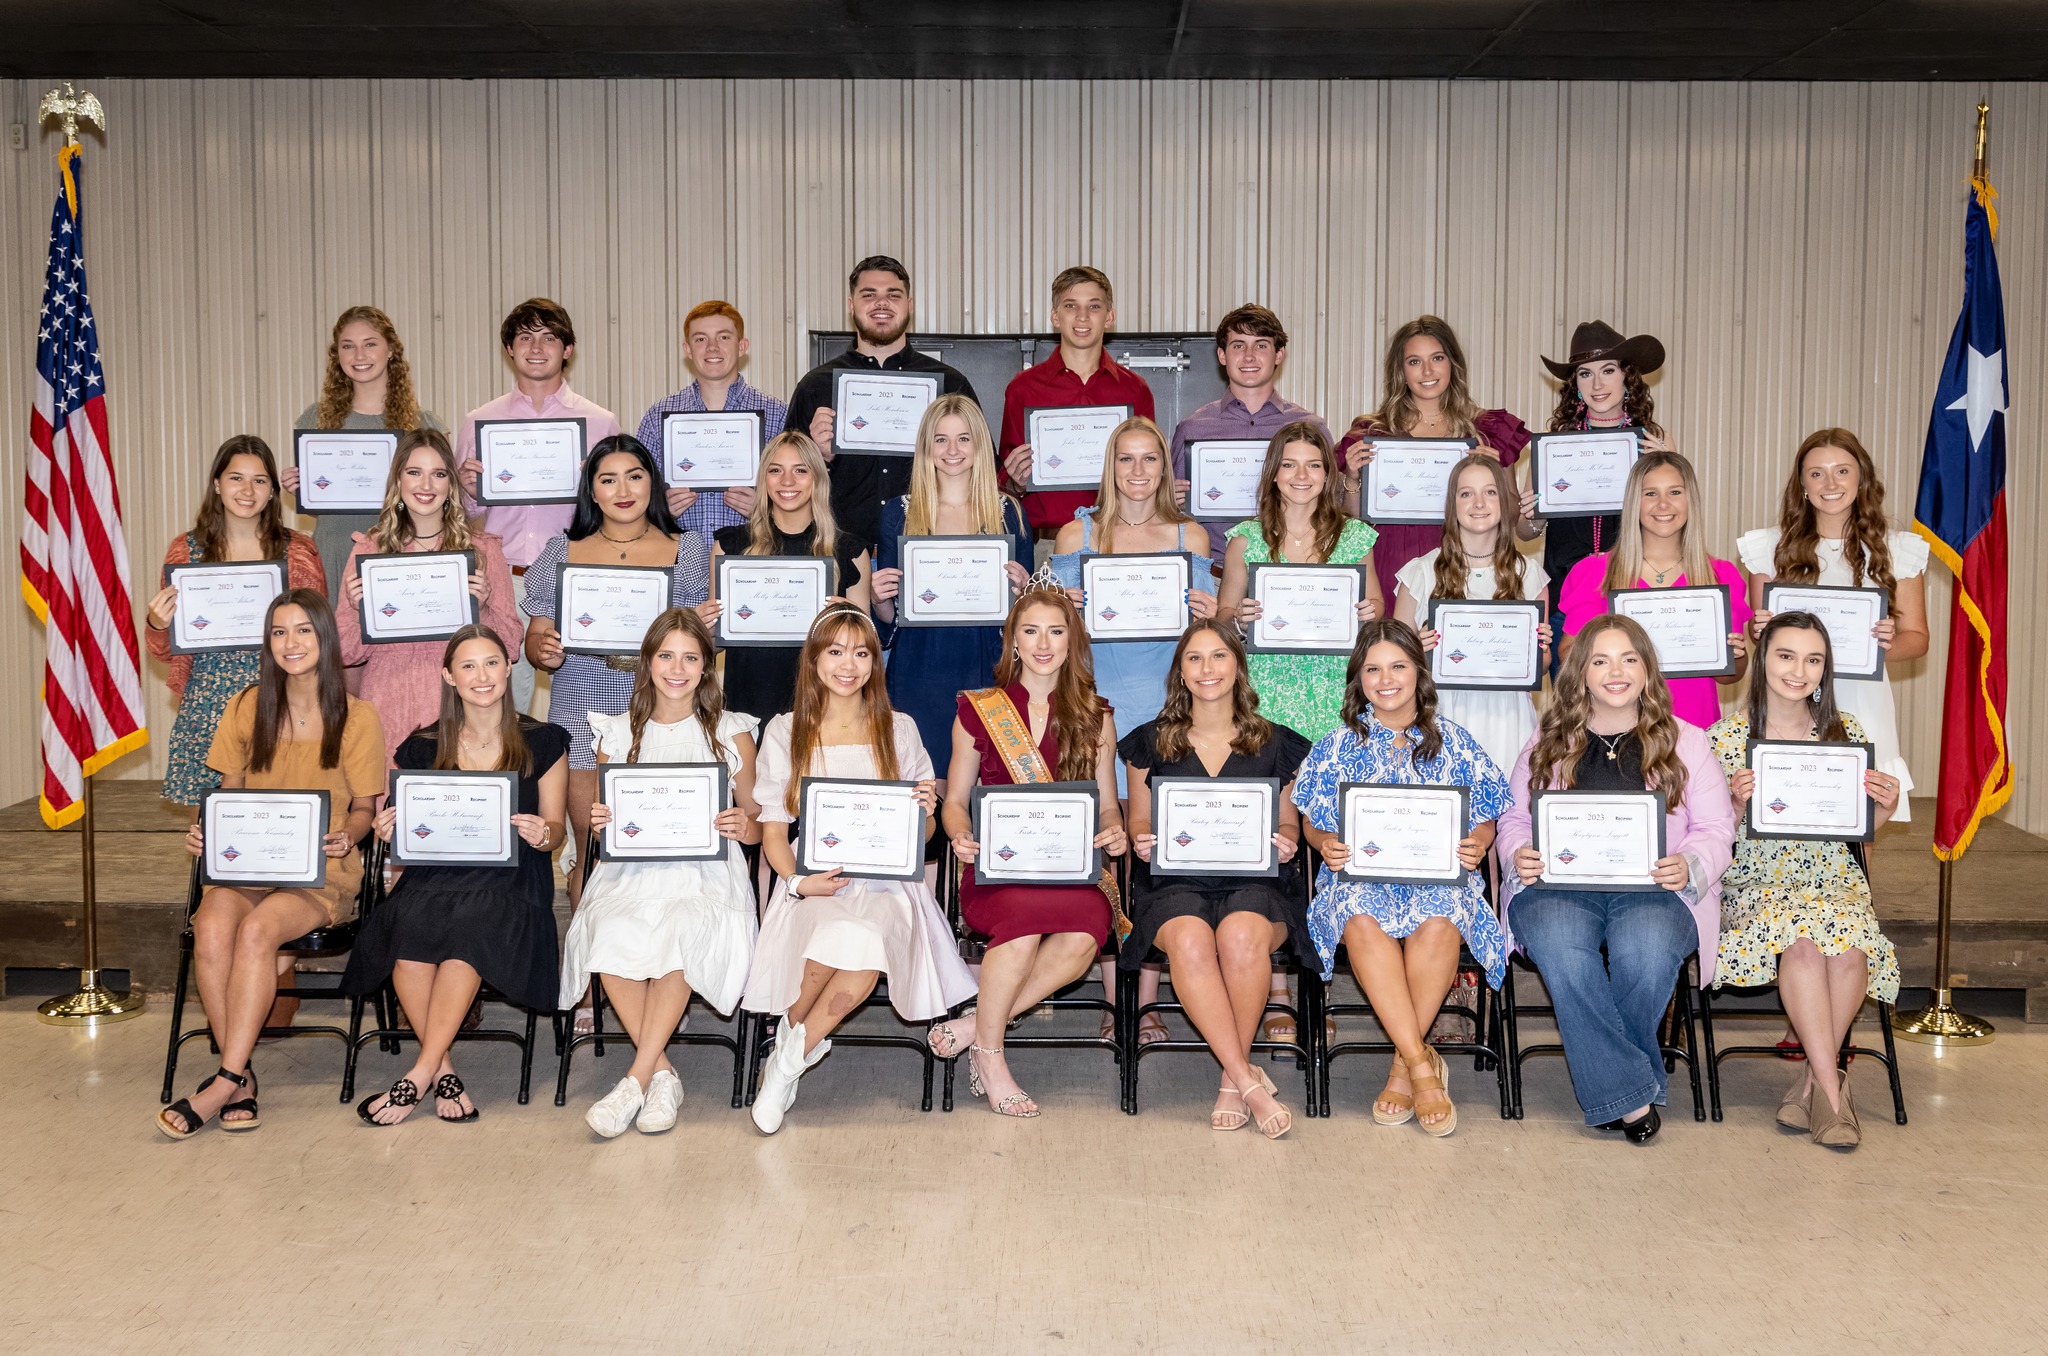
{"x": 72, "y": 108}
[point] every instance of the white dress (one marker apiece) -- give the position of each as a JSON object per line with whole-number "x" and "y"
{"x": 1868, "y": 699}
{"x": 643, "y": 920}
{"x": 1501, "y": 721}
{"x": 893, "y": 926}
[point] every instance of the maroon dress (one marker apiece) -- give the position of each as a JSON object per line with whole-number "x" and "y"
{"x": 1400, "y": 543}
{"x": 1003, "y": 913}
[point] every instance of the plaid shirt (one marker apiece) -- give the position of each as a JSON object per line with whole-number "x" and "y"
{"x": 710, "y": 512}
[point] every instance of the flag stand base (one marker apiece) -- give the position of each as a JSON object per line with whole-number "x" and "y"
{"x": 1940, "y": 1025}
{"x": 91, "y": 1004}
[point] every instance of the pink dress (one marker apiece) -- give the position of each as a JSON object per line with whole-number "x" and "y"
{"x": 403, "y": 682}
{"x": 1581, "y": 599}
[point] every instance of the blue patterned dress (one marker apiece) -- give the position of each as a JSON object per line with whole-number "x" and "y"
{"x": 1343, "y": 756}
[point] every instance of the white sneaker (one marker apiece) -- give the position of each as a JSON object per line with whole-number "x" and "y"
{"x": 612, "y": 1113}
{"x": 786, "y": 1065}
{"x": 664, "y": 1098}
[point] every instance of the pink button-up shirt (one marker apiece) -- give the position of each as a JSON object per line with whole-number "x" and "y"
{"x": 525, "y": 528}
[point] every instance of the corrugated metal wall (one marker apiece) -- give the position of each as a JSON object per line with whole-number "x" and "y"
{"x": 1797, "y": 247}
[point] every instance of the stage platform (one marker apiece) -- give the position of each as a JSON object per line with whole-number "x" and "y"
{"x": 2000, "y": 937}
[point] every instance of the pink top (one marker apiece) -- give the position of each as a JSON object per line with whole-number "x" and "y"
{"x": 403, "y": 682}
{"x": 1581, "y": 599}
{"x": 524, "y": 529}
{"x": 1701, "y": 827}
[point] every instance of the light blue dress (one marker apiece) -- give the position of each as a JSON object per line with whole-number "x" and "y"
{"x": 1131, "y": 675}
{"x": 1344, "y": 756}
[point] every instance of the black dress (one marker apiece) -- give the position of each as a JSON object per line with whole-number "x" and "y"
{"x": 761, "y": 679}
{"x": 500, "y": 920}
{"x": 1155, "y": 902}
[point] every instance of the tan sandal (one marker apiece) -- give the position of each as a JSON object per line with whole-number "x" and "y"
{"x": 1403, "y": 1100}
{"x": 1220, "y": 1118}
{"x": 1429, "y": 1083}
{"x": 1280, "y": 1120}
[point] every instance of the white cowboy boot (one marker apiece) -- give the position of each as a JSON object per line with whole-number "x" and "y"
{"x": 786, "y": 1065}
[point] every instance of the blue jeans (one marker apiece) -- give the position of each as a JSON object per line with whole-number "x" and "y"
{"x": 1608, "y": 1011}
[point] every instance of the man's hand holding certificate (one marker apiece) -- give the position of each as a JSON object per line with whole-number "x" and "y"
{"x": 1068, "y": 445}
{"x": 711, "y": 450}
{"x": 878, "y": 412}
{"x": 529, "y": 461}
{"x": 1223, "y": 478}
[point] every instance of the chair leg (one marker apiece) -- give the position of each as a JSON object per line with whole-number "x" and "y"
{"x": 764, "y": 1029}
{"x": 1127, "y": 1036}
{"x": 526, "y": 1058}
{"x": 931, "y": 1063}
{"x": 742, "y": 1034}
{"x": 1511, "y": 1025}
{"x": 1687, "y": 988}
{"x": 348, "y": 1061}
{"x": 564, "y": 1050}
{"x": 178, "y": 1016}
{"x": 1891, "y": 1063}
{"x": 1709, "y": 1059}
{"x": 1314, "y": 1037}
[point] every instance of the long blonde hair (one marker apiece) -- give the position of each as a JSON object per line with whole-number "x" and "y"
{"x": 1165, "y": 506}
{"x": 394, "y": 522}
{"x": 984, "y": 487}
{"x": 1507, "y": 560}
{"x": 761, "y": 522}
{"x": 1077, "y": 711}
{"x": 807, "y": 712}
{"x": 338, "y": 392}
{"x": 1625, "y": 561}
{"x": 1561, "y": 739}
{"x": 1328, "y": 517}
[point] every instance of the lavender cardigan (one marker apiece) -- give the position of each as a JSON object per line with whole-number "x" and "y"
{"x": 1701, "y": 826}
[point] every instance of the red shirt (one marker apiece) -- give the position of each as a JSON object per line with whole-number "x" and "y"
{"x": 1053, "y": 385}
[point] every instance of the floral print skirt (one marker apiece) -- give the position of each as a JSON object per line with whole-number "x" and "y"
{"x": 1761, "y": 921}
{"x": 216, "y": 678}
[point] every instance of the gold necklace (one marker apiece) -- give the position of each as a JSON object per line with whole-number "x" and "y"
{"x": 622, "y": 545}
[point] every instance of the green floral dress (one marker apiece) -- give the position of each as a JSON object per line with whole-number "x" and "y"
{"x": 1304, "y": 692}
{"x": 1779, "y": 890}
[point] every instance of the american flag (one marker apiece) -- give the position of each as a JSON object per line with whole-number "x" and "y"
{"x": 74, "y": 558}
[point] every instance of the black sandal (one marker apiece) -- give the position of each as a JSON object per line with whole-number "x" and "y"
{"x": 402, "y": 1093}
{"x": 248, "y": 1104}
{"x": 448, "y": 1088}
{"x": 182, "y": 1108}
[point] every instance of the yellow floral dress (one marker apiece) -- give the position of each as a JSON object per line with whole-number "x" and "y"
{"x": 1779, "y": 890}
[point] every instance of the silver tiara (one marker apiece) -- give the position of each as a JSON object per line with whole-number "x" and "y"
{"x": 1042, "y": 582}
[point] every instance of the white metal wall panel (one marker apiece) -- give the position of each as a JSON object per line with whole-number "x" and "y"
{"x": 1797, "y": 247}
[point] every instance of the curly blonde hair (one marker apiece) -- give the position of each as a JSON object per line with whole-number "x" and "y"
{"x": 337, "y": 392}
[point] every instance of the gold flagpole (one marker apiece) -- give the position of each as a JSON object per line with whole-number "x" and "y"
{"x": 92, "y": 1002}
{"x": 1939, "y": 1024}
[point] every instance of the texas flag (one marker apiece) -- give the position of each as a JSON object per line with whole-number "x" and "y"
{"x": 1961, "y": 513}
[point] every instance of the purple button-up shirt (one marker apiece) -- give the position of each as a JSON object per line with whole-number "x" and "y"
{"x": 525, "y": 528}
{"x": 711, "y": 512}
{"x": 1228, "y": 418}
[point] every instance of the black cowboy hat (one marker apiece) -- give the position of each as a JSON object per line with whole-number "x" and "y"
{"x": 1596, "y": 340}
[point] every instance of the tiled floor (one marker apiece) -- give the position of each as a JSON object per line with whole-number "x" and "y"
{"x": 868, "y": 1227}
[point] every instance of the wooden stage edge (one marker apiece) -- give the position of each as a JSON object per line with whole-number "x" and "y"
{"x": 2000, "y": 938}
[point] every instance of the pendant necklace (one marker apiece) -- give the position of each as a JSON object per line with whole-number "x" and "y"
{"x": 1611, "y": 745}
{"x": 622, "y": 545}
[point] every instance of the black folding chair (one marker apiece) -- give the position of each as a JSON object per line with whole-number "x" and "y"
{"x": 334, "y": 940}
{"x": 736, "y": 1043}
{"x": 1681, "y": 1020}
{"x": 974, "y": 944}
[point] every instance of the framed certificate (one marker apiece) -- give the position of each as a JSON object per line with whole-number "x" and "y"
{"x": 1581, "y": 475}
{"x": 1223, "y": 478}
{"x": 1068, "y": 445}
{"x": 343, "y": 470}
{"x": 1599, "y": 840}
{"x": 1486, "y": 644}
{"x": 869, "y": 830}
{"x": 878, "y": 412}
{"x": 712, "y": 450}
{"x": 1215, "y": 826}
{"x": 454, "y": 818}
{"x": 1849, "y": 614}
{"x": 1811, "y": 789}
{"x": 409, "y": 596}
{"x": 771, "y": 600}
{"x": 1036, "y": 835}
{"x": 1407, "y": 478}
{"x": 529, "y": 461}
{"x": 1403, "y": 834}
{"x": 606, "y": 609}
{"x": 263, "y": 840}
{"x": 1136, "y": 597}
{"x": 662, "y": 812}
{"x": 1689, "y": 626}
{"x": 954, "y": 581}
{"x": 1305, "y": 609}
{"x": 222, "y": 607}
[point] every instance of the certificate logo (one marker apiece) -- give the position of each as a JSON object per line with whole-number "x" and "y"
{"x": 1183, "y": 838}
{"x": 1006, "y": 852}
{"x": 743, "y": 612}
{"x": 1212, "y": 494}
{"x": 831, "y": 839}
{"x": 927, "y": 597}
{"x": 1277, "y": 624}
{"x": 686, "y": 465}
{"x": 631, "y": 830}
{"x": 421, "y": 832}
{"x": 389, "y": 610}
{"x": 1370, "y": 848}
{"x": 1566, "y": 856}
{"x": 585, "y": 620}
{"x": 1456, "y": 656}
{"x": 229, "y": 853}
{"x": 1391, "y": 491}
{"x": 1107, "y": 614}
{"x": 1778, "y": 805}
{"x": 322, "y": 481}
{"x": 859, "y": 422}
{"x": 199, "y": 623}
{"x": 1054, "y": 460}
{"x": 1560, "y": 484}
{"x": 505, "y": 477}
